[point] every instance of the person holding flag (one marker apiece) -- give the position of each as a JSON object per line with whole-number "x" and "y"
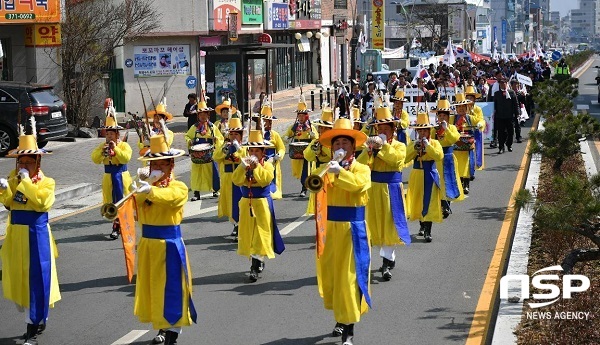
{"x": 163, "y": 287}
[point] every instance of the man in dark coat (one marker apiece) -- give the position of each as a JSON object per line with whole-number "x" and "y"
{"x": 506, "y": 110}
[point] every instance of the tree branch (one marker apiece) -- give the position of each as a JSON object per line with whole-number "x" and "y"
{"x": 579, "y": 255}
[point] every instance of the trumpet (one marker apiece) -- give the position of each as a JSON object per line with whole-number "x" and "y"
{"x": 315, "y": 183}
{"x": 110, "y": 211}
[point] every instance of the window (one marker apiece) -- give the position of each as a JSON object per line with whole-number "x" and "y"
{"x": 6, "y": 98}
{"x": 340, "y": 4}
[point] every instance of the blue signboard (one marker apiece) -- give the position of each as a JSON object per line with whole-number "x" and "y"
{"x": 278, "y": 16}
{"x": 191, "y": 82}
{"x": 556, "y": 55}
{"x": 495, "y": 34}
{"x": 504, "y": 31}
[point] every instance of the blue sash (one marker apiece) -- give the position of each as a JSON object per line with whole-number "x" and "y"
{"x": 471, "y": 163}
{"x": 175, "y": 263}
{"x": 40, "y": 262}
{"x": 265, "y": 192}
{"x": 236, "y": 194}
{"x": 452, "y": 191}
{"x": 393, "y": 180}
{"x": 401, "y": 135}
{"x": 362, "y": 252}
{"x": 478, "y": 135}
{"x": 216, "y": 181}
{"x": 229, "y": 168}
{"x": 430, "y": 177}
{"x": 116, "y": 177}
{"x": 271, "y": 151}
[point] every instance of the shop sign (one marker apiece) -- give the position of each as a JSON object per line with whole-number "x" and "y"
{"x": 29, "y": 11}
{"x": 158, "y": 61}
{"x": 252, "y": 12}
{"x": 42, "y": 35}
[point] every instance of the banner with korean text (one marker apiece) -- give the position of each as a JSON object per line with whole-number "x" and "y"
{"x": 377, "y": 25}
{"x": 156, "y": 61}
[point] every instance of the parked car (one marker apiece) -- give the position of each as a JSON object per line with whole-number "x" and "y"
{"x": 32, "y": 99}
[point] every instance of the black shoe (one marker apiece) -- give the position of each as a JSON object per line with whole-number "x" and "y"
{"x": 160, "y": 337}
{"x": 338, "y": 330}
{"x": 509, "y": 149}
{"x": 499, "y": 151}
{"x": 303, "y": 193}
{"x": 493, "y": 145}
{"x": 171, "y": 337}
{"x": 196, "y": 196}
{"x": 428, "y": 238}
{"x": 445, "y": 213}
{"x": 466, "y": 190}
{"x": 31, "y": 335}
{"x": 253, "y": 275}
{"x": 348, "y": 335}
{"x": 115, "y": 234}
{"x": 428, "y": 232}
{"x": 386, "y": 274}
{"x": 421, "y": 230}
{"x": 261, "y": 267}
{"x": 234, "y": 233}
{"x": 519, "y": 140}
{"x": 215, "y": 194}
{"x": 391, "y": 264}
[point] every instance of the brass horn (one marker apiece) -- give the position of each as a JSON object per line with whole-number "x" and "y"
{"x": 110, "y": 211}
{"x": 314, "y": 183}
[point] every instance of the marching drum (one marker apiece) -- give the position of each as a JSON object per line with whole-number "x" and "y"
{"x": 297, "y": 149}
{"x": 202, "y": 153}
{"x": 466, "y": 143}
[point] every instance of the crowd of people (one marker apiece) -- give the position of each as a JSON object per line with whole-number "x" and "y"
{"x": 350, "y": 163}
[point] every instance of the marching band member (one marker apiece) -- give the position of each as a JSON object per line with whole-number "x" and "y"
{"x": 259, "y": 236}
{"x": 204, "y": 177}
{"x": 465, "y": 123}
{"x": 159, "y": 117}
{"x": 424, "y": 195}
{"x": 475, "y": 110}
{"x": 401, "y": 115}
{"x": 385, "y": 212}
{"x": 317, "y": 153}
{"x": 28, "y": 253}
{"x": 228, "y": 156}
{"x": 224, "y": 110}
{"x": 114, "y": 154}
{"x": 358, "y": 125}
{"x": 302, "y": 131}
{"x": 265, "y": 124}
{"x": 163, "y": 288}
{"x": 447, "y": 135}
{"x": 345, "y": 262}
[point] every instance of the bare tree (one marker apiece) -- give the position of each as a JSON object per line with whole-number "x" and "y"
{"x": 433, "y": 19}
{"x": 91, "y": 32}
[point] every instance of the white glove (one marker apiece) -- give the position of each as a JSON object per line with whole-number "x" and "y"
{"x": 480, "y": 126}
{"x": 276, "y": 157}
{"x": 23, "y": 174}
{"x": 144, "y": 187}
{"x": 339, "y": 154}
{"x": 132, "y": 187}
{"x": 236, "y": 145}
{"x": 155, "y": 175}
{"x": 248, "y": 161}
{"x": 334, "y": 167}
{"x": 3, "y": 183}
{"x": 444, "y": 125}
{"x": 383, "y": 137}
{"x": 425, "y": 142}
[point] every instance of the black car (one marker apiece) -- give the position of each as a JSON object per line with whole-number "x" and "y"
{"x": 33, "y": 99}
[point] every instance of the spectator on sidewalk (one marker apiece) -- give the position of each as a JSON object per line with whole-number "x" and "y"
{"x": 191, "y": 109}
{"x": 506, "y": 109}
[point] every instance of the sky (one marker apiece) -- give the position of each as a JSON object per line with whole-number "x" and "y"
{"x": 563, "y": 6}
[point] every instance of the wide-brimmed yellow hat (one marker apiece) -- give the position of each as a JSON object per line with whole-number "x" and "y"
{"x": 161, "y": 109}
{"x": 399, "y": 96}
{"x": 235, "y": 124}
{"x": 383, "y": 115}
{"x": 159, "y": 149}
{"x": 255, "y": 139}
{"x": 203, "y": 107}
{"x": 442, "y": 105}
{"x": 302, "y": 106}
{"x": 226, "y": 104}
{"x": 343, "y": 127}
{"x": 326, "y": 119}
{"x": 266, "y": 112}
{"x": 111, "y": 122}
{"x": 461, "y": 99}
{"x": 27, "y": 146}
{"x": 422, "y": 121}
{"x": 471, "y": 91}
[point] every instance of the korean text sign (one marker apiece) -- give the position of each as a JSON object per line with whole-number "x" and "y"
{"x": 156, "y": 61}
{"x": 30, "y": 11}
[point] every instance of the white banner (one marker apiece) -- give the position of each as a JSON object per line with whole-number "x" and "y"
{"x": 158, "y": 61}
{"x": 524, "y": 79}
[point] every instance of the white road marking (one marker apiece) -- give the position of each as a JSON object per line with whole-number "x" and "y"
{"x": 130, "y": 337}
{"x": 293, "y": 225}
{"x": 583, "y": 107}
{"x": 194, "y": 211}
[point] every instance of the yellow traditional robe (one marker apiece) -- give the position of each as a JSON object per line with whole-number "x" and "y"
{"x": 298, "y": 163}
{"x": 450, "y": 137}
{"x": 122, "y": 156}
{"x": 201, "y": 176}
{"x": 164, "y": 208}
{"x": 322, "y": 157}
{"x": 414, "y": 198}
{"x": 276, "y": 140}
{"x": 462, "y": 157}
{"x": 229, "y": 165}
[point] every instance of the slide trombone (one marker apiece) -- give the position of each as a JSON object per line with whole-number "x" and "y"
{"x": 315, "y": 182}
{"x": 110, "y": 211}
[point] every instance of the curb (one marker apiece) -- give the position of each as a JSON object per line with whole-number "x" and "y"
{"x": 61, "y": 195}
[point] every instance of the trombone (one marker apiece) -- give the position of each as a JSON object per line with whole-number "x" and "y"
{"x": 110, "y": 211}
{"x": 315, "y": 182}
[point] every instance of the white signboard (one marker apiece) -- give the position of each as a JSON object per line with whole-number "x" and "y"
{"x": 157, "y": 61}
{"x": 524, "y": 79}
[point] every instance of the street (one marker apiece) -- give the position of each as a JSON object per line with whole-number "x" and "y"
{"x": 431, "y": 298}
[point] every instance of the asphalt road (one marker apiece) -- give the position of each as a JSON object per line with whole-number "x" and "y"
{"x": 430, "y": 300}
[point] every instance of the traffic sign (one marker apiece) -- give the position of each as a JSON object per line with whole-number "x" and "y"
{"x": 556, "y": 55}
{"x": 191, "y": 82}
{"x": 128, "y": 63}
